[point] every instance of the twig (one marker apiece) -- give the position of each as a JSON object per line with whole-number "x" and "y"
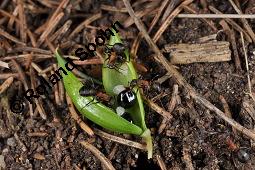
{"x": 120, "y": 140}
{"x": 161, "y": 163}
{"x": 172, "y": 4}
{"x": 56, "y": 92}
{"x": 170, "y": 109}
{"x": 138, "y": 39}
{"x": 233, "y": 23}
{"x": 98, "y": 154}
{"x": 180, "y": 79}
{"x": 231, "y": 36}
{"x": 84, "y": 23}
{"x": 88, "y": 61}
{"x": 22, "y": 18}
{"x": 50, "y": 28}
{"x": 112, "y": 153}
{"x": 247, "y": 68}
{"x": 193, "y": 11}
{"x": 187, "y": 157}
{"x": 226, "y": 109}
{"x": 216, "y": 16}
{"x": 21, "y": 74}
{"x": 169, "y": 19}
{"x": 10, "y": 37}
{"x": 29, "y": 49}
{"x": 22, "y": 145}
{"x": 76, "y": 117}
{"x": 244, "y": 21}
{"x": 37, "y": 134}
{"x": 167, "y": 115}
{"x": 6, "y": 84}
{"x": 38, "y": 101}
{"x": 4, "y": 64}
{"x": 112, "y": 8}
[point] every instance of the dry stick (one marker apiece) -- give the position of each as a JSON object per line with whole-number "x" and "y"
{"x": 98, "y": 154}
{"x": 180, "y": 79}
{"x": 22, "y": 18}
{"x": 10, "y": 37}
{"x": 112, "y": 153}
{"x": 169, "y": 20}
{"x": 37, "y": 134}
{"x": 23, "y": 79}
{"x": 37, "y": 56}
{"x": 11, "y": 21}
{"x": 112, "y": 8}
{"x": 30, "y": 34}
{"x": 61, "y": 90}
{"x": 158, "y": 109}
{"x": 226, "y": 109}
{"x": 232, "y": 39}
{"x": 138, "y": 39}
{"x": 38, "y": 101}
{"x": 161, "y": 163}
{"x": 88, "y": 61}
{"x": 120, "y": 140}
{"x": 6, "y": 84}
{"x": 7, "y": 75}
{"x": 247, "y": 68}
{"x": 61, "y": 6}
{"x": 172, "y": 4}
{"x": 187, "y": 157}
{"x": 233, "y": 23}
{"x": 244, "y": 21}
{"x": 61, "y": 31}
{"x": 84, "y": 23}
{"x": 209, "y": 22}
{"x": 140, "y": 14}
{"x": 216, "y": 16}
{"x": 170, "y": 109}
{"x": 56, "y": 92}
{"x": 4, "y": 64}
{"x": 51, "y": 26}
{"x": 29, "y": 49}
{"x": 76, "y": 117}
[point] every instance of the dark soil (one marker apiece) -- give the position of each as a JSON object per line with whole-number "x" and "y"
{"x": 211, "y": 143}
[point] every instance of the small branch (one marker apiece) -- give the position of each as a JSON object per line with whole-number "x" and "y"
{"x": 6, "y": 84}
{"x": 120, "y": 140}
{"x": 161, "y": 163}
{"x": 216, "y": 16}
{"x": 98, "y": 154}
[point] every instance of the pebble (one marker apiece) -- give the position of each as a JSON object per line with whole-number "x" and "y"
{"x": 11, "y": 142}
{"x": 2, "y": 162}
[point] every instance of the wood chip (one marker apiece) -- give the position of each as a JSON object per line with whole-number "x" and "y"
{"x": 202, "y": 52}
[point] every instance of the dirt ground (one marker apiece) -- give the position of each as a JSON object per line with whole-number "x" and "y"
{"x": 195, "y": 138}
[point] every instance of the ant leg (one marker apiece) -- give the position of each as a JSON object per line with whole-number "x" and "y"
{"x": 113, "y": 67}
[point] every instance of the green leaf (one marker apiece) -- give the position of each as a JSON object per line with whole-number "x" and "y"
{"x": 95, "y": 111}
{"x": 123, "y": 76}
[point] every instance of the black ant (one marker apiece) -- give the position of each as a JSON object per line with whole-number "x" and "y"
{"x": 90, "y": 90}
{"x": 116, "y": 56}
